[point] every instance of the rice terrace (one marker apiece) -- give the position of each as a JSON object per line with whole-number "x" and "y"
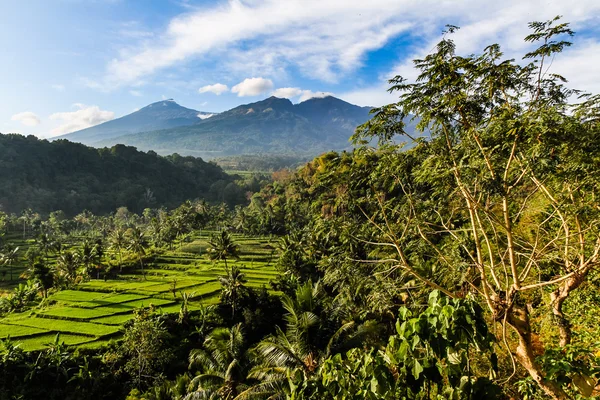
{"x": 93, "y": 312}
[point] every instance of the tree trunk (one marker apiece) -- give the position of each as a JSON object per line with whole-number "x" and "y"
{"x": 142, "y": 264}
{"x": 120, "y": 261}
{"x": 518, "y": 318}
{"x": 557, "y": 298}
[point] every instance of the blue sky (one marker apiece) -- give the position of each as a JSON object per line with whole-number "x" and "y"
{"x": 69, "y": 64}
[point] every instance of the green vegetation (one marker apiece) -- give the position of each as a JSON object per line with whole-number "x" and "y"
{"x": 48, "y": 176}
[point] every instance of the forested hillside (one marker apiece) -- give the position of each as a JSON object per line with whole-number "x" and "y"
{"x": 60, "y": 175}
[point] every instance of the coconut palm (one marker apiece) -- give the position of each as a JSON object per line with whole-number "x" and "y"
{"x": 138, "y": 244}
{"x": 117, "y": 242}
{"x": 232, "y": 286}
{"x": 9, "y": 257}
{"x": 315, "y": 330}
{"x": 67, "y": 265}
{"x": 224, "y": 365}
{"x": 45, "y": 243}
{"x": 89, "y": 256}
{"x": 222, "y": 247}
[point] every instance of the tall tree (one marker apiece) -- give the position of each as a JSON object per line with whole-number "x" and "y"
{"x": 221, "y": 247}
{"x": 223, "y": 363}
{"x": 118, "y": 242}
{"x": 9, "y": 256}
{"x": 232, "y": 287}
{"x": 138, "y": 244}
{"x": 89, "y": 255}
{"x": 504, "y": 197}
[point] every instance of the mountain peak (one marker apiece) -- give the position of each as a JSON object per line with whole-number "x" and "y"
{"x": 271, "y": 103}
{"x": 162, "y": 114}
{"x": 163, "y": 103}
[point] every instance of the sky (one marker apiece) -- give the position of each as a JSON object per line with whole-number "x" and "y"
{"x": 70, "y": 64}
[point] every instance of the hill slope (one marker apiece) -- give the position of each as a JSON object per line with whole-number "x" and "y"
{"x": 272, "y": 126}
{"x": 160, "y": 115}
{"x": 62, "y": 175}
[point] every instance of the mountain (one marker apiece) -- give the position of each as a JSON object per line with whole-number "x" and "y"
{"x": 61, "y": 175}
{"x": 160, "y": 115}
{"x": 270, "y": 126}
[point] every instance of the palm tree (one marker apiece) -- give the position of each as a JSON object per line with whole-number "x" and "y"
{"x": 45, "y": 243}
{"x": 66, "y": 265}
{"x": 138, "y": 244}
{"x": 232, "y": 286}
{"x": 27, "y": 216}
{"x": 314, "y": 331}
{"x": 89, "y": 255}
{"x": 118, "y": 241}
{"x": 9, "y": 257}
{"x": 222, "y": 247}
{"x": 224, "y": 365}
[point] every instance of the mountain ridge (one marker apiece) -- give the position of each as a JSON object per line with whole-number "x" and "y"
{"x": 270, "y": 126}
{"x": 158, "y": 115}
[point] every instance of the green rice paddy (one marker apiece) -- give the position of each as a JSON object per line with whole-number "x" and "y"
{"x": 94, "y": 312}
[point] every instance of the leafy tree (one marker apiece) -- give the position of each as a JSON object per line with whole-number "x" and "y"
{"x": 90, "y": 255}
{"x": 42, "y": 274}
{"x": 509, "y": 164}
{"x": 67, "y": 266}
{"x": 144, "y": 346}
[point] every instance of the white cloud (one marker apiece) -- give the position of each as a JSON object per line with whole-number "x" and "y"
{"x": 287, "y": 92}
{"x": 205, "y": 116}
{"x": 82, "y": 118}
{"x": 217, "y": 89}
{"x": 27, "y": 118}
{"x": 252, "y": 87}
{"x": 504, "y": 23}
{"x": 324, "y": 38}
{"x": 575, "y": 66}
{"x": 136, "y": 93}
{"x": 327, "y": 40}
{"x": 58, "y": 87}
{"x": 308, "y": 94}
{"x": 303, "y": 95}
{"x": 374, "y": 96}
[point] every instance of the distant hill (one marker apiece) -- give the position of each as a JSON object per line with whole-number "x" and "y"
{"x": 270, "y": 126}
{"x": 160, "y": 115}
{"x": 61, "y": 175}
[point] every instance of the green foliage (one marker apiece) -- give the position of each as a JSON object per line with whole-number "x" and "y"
{"x": 429, "y": 357}
{"x": 61, "y": 175}
{"x": 434, "y": 349}
{"x": 572, "y": 366}
{"x": 223, "y": 365}
{"x": 358, "y": 374}
{"x": 144, "y": 348}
